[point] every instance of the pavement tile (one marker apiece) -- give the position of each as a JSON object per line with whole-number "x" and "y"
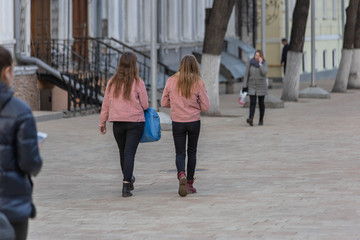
{"x": 296, "y": 177}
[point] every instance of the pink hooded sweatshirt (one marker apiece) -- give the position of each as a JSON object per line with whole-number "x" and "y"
{"x": 184, "y": 109}
{"x": 122, "y": 110}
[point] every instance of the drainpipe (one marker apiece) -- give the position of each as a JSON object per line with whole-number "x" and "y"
{"x": 32, "y": 60}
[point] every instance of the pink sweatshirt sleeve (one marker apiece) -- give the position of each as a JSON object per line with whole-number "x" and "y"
{"x": 203, "y": 98}
{"x": 143, "y": 97}
{"x": 104, "y": 115}
{"x": 165, "y": 100}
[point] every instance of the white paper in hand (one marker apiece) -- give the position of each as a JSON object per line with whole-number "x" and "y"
{"x": 41, "y": 136}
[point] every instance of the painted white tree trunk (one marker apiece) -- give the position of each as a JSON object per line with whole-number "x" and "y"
{"x": 210, "y": 66}
{"x": 292, "y": 76}
{"x": 343, "y": 73}
{"x": 354, "y": 78}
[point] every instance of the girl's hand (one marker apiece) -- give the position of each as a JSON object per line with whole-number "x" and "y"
{"x": 103, "y": 130}
{"x": 260, "y": 60}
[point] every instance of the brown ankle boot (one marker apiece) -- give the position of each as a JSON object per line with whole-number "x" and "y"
{"x": 189, "y": 187}
{"x": 182, "y": 184}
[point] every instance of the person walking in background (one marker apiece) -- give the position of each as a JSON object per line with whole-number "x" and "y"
{"x": 19, "y": 152}
{"x": 185, "y": 94}
{"x": 124, "y": 103}
{"x": 284, "y": 53}
{"x": 255, "y": 84}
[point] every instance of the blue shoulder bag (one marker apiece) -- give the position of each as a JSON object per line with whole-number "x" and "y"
{"x": 152, "y": 129}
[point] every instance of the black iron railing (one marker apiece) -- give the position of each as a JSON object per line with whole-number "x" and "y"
{"x": 90, "y": 63}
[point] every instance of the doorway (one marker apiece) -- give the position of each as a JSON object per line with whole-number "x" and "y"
{"x": 40, "y": 30}
{"x": 80, "y": 30}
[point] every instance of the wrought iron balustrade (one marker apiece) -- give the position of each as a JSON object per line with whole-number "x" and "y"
{"x": 90, "y": 63}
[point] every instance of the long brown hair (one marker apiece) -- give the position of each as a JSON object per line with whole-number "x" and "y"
{"x": 261, "y": 53}
{"x": 189, "y": 74}
{"x": 125, "y": 74}
{"x": 5, "y": 61}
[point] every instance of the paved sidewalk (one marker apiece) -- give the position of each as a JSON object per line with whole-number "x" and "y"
{"x": 296, "y": 177}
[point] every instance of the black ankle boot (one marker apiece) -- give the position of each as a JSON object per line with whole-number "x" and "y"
{"x": 131, "y": 187}
{"x": 249, "y": 121}
{"x": 126, "y": 190}
{"x": 261, "y": 122}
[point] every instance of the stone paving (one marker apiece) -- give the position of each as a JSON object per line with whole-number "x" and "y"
{"x": 296, "y": 177}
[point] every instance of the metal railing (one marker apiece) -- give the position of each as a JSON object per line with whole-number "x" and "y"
{"x": 90, "y": 63}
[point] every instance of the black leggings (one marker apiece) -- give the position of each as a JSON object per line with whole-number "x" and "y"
{"x": 253, "y": 106}
{"x": 180, "y": 131}
{"x": 127, "y": 136}
{"x": 20, "y": 229}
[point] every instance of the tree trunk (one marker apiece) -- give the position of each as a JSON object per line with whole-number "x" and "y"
{"x": 357, "y": 29}
{"x": 293, "y": 62}
{"x": 215, "y": 29}
{"x": 210, "y": 66}
{"x": 343, "y": 71}
{"x": 354, "y": 78}
{"x": 292, "y": 76}
{"x": 342, "y": 77}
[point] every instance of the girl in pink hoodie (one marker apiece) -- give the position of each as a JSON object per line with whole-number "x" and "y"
{"x": 124, "y": 103}
{"x": 185, "y": 95}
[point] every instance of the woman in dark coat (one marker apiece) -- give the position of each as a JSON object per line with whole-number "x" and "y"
{"x": 19, "y": 152}
{"x": 256, "y": 85}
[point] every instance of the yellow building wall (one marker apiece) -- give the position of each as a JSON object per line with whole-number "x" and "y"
{"x": 328, "y": 31}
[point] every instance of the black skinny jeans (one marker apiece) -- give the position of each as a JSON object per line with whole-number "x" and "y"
{"x": 127, "y": 136}
{"x": 180, "y": 131}
{"x": 253, "y": 106}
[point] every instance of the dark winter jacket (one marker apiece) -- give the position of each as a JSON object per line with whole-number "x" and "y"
{"x": 284, "y": 53}
{"x": 19, "y": 156}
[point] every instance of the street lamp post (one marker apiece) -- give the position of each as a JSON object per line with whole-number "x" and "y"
{"x": 312, "y": 43}
{"x": 153, "y": 54}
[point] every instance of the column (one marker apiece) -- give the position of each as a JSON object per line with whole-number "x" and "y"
{"x": 26, "y": 30}
{"x": 187, "y": 20}
{"x": 173, "y": 21}
{"x": 114, "y": 19}
{"x": 131, "y": 21}
{"x": 146, "y": 21}
{"x": 64, "y": 24}
{"x": 7, "y": 38}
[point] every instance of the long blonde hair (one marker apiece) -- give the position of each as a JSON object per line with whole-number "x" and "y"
{"x": 189, "y": 74}
{"x": 125, "y": 74}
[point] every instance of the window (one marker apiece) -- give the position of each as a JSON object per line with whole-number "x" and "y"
{"x": 324, "y": 59}
{"x": 304, "y": 62}
{"x": 334, "y": 58}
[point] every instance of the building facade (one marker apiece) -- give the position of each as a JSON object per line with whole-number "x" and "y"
{"x": 329, "y": 23}
{"x": 180, "y": 24}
